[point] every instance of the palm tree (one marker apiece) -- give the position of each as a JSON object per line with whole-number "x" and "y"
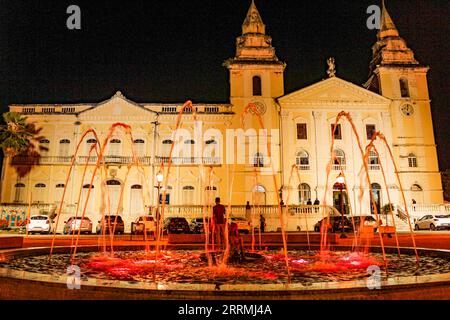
{"x": 20, "y": 138}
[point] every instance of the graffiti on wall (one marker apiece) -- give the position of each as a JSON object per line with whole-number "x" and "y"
{"x": 16, "y": 216}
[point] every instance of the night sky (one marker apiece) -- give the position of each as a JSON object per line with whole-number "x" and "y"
{"x": 171, "y": 51}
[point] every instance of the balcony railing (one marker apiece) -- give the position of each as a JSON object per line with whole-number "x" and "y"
{"x": 23, "y": 160}
{"x": 190, "y": 160}
{"x": 41, "y": 160}
{"x": 339, "y": 167}
{"x": 114, "y": 160}
{"x": 374, "y": 167}
{"x": 111, "y": 160}
{"x": 304, "y": 167}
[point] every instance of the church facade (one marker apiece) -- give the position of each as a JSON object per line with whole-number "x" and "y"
{"x": 394, "y": 101}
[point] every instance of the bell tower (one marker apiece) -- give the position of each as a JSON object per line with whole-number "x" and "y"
{"x": 397, "y": 75}
{"x": 256, "y": 74}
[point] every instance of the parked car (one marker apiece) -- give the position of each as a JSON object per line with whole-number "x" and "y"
{"x": 78, "y": 225}
{"x": 334, "y": 224}
{"x": 108, "y": 221}
{"x": 433, "y": 222}
{"x": 369, "y": 221}
{"x": 243, "y": 225}
{"x": 176, "y": 225}
{"x": 40, "y": 224}
{"x": 144, "y": 223}
{"x": 197, "y": 225}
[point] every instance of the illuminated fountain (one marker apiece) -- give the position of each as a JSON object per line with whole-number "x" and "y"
{"x": 155, "y": 271}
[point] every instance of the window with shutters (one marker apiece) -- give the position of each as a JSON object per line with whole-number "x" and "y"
{"x": 302, "y": 133}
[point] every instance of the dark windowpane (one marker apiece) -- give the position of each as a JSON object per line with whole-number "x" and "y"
{"x": 302, "y": 133}
{"x": 404, "y": 88}
{"x": 370, "y": 131}
{"x": 257, "y": 88}
{"x": 337, "y": 133}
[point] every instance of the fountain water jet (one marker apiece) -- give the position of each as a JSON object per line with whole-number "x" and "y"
{"x": 251, "y": 107}
{"x": 347, "y": 115}
{"x": 380, "y": 136}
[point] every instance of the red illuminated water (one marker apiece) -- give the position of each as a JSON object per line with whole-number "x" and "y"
{"x": 324, "y": 261}
{"x": 186, "y": 266}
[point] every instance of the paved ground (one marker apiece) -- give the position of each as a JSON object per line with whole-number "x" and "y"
{"x": 424, "y": 239}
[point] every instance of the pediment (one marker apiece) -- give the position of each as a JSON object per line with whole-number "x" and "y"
{"x": 334, "y": 90}
{"x": 117, "y": 107}
{"x": 189, "y": 177}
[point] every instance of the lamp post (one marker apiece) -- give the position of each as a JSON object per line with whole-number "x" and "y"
{"x": 341, "y": 183}
{"x": 159, "y": 180}
{"x": 280, "y": 193}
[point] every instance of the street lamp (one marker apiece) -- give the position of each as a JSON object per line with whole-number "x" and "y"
{"x": 341, "y": 183}
{"x": 159, "y": 177}
{"x": 159, "y": 180}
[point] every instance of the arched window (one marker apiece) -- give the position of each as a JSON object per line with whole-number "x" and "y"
{"x": 113, "y": 182}
{"x": 210, "y": 149}
{"x": 188, "y": 195}
{"x": 167, "y": 190}
{"x": 304, "y": 193}
{"x": 166, "y": 146}
{"x": 412, "y": 160}
{"x": 302, "y": 160}
{"x": 376, "y": 197}
{"x": 339, "y": 160}
{"x": 259, "y": 193}
{"x": 19, "y": 192}
{"x": 137, "y": 207}
{"x": 114, "y": 188}
{"x": 139, "y": 147}
{"x": 115, "y": 148}
{"x": 39, "y": 192}
{"x": 45, "y": 143}
{"x": 188, "y": 151}
{"x": 84, "y": 193}
{"x": 89, "y": 144}
{"x": 404, "y": 88}
{"x": 258, "y": 160}
{"x": 64, "y": 148}
{"x": 57, "y": 193}
{"x": 257, "y": 87}
{"x": 373, "y": 161}
{"x": 211, "y": 193}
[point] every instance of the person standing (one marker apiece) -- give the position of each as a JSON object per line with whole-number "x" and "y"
{"x": 262, "y": 223}
{"x": 316, "y": 203}
{"x": 219, "y": 222}
{"x": 309, "y": 204}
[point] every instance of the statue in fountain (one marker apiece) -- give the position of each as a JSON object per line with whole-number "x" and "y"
{"x": 237, "y": 253}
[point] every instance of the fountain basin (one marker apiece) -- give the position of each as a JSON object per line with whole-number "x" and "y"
{"x": 23, "y": 284}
